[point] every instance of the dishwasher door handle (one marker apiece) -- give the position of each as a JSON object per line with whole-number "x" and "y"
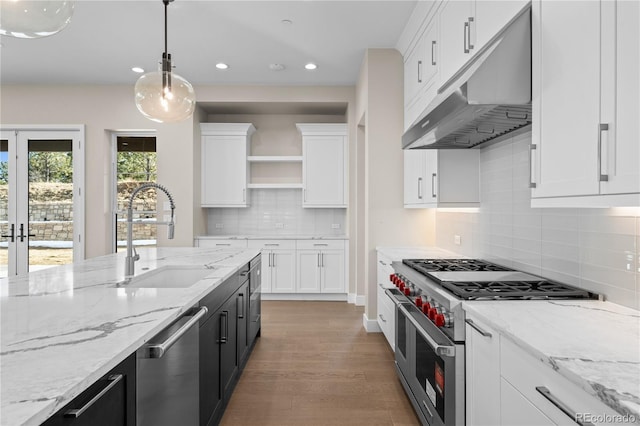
{"x": 158, "y": 350}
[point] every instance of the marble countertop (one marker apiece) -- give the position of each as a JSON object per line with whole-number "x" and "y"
{"x": 592, "y": 343}
{"x": 65, "y": 327}
{"x": 272, "y": 237}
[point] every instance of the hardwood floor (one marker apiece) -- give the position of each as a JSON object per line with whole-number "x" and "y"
{"x": 314, "y": 364}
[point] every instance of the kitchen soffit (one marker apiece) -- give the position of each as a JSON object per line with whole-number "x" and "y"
{"x": 106, "y": 38}
{"x": 297, "y": 108}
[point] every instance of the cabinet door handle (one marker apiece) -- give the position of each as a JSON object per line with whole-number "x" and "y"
{"x": 602, "y": 177}
{"x": 532, "y": 182}
{"x": 419, "y": 71}
{"x": 241, "y": 310}
{"x": 244, "y": 195}
{"x": 158, "y": 350}
{"x": 433, "y": 185}
{"x": 274, "y": 260}
{"x": 113, "y": 379}
{"x": 320, "y": 244}
{"x": 546, "y": 393}
{"x": 465, "y": 36}
{"x": 223, "y": 338}
{"x": 433, "y": 53}
{"x": 419, "y": 188}
{"x": 322, "y": 259}
{"x": 469, "y": 33}
{"x": 382, "y": 318}
{"x": 12, "y": 235}
{"x": 477, "y": 328}
{"x": 381, "y": 286}
{"x": 304, "y": 194}
{"x": 223, "y": 244}
{"x": 382, "y": 263}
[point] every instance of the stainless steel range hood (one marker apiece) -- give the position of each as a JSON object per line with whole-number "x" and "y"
{"x": 488, "y": 98}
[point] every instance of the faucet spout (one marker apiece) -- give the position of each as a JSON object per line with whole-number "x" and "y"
{"x": 132, "y": 254}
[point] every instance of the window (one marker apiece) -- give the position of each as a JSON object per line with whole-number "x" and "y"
{"x": 135, "y": 164}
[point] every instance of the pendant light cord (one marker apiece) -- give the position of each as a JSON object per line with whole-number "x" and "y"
{"x": 166, "y": 4}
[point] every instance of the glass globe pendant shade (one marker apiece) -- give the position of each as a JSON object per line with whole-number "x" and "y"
{"x": 161, "y": 104}
{"x": 34, "y": 19}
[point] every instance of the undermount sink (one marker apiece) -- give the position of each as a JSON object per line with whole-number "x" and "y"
{"x": 167, "y": 277}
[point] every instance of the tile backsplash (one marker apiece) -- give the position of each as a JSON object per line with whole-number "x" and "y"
{"x": 595, "y": 249}
{"x": 275, "y": 212}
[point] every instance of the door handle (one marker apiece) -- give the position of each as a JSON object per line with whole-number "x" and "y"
{"x": 113, "y": 379}
{"x": 22, "y": 235}
{"x": 225, "y": 315}
{"x": 433, "y": 185}
{"x": 419, "y": 188}
{"x": 465, "y": 36}
{"x": 241, "y": 310}
{"x": 158, "y": 350}
{"x": 419, "y": 71}
{"x": 433, "y": 54}
{"x": 469, "y": 33}
{"x": 602, "y": 177}
{"x": 274, "y": 260}
{"x": 532, "y": 182}
{"x": 12, "y": 235}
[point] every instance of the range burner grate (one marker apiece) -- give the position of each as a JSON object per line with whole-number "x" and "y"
{"x": 514, "y": 290}
{"x": 452, "y": 265}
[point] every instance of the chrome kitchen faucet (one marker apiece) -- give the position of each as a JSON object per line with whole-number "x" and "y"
{"x": 130, "y": 261}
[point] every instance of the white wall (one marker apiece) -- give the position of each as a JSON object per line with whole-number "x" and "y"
{"x": 106, "y": 108}
{"x": 595, "y": 249}
{"x": 379, "y": 94}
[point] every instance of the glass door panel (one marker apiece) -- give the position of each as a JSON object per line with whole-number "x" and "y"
{"x": 5, "y": 226}
{"x": 50, "y": 202}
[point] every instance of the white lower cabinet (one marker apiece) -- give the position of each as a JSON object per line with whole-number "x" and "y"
{"x": 506, "y": 385}
{"x": 386, "y": 307}
{"x": 321, "y": 266}
{"x": 278, "y": 265}
{"x": 482, "y": 360}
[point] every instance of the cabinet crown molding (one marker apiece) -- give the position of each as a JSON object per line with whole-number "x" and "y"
{"x": 322, "y": 129}
{"x": 228, "y": 129}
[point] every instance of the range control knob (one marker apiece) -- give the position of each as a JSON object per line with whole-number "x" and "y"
{"x": 432, "y": 314}
{"x": 401, "y": 286}
{"x": 408, "y": 291}
{"x": 426, "y": 306}
{"x": 439, "y": 320}
{"x": 419, "y": 301}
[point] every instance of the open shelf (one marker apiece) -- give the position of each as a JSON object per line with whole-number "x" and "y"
{"x": 274, "y": 186}
{"x": 274, "y": 159}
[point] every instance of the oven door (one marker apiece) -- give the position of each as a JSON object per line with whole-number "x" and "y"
{"x": 431, "y": 367}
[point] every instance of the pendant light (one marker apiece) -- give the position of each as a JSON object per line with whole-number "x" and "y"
{"x": 164, "y": 96}
{"x": 34, "y": 19}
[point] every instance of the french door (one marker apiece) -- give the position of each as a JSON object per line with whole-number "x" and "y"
{"x": 41, "y": 207}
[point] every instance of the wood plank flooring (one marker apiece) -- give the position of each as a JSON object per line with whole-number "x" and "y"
{"x": 314, "y": 364}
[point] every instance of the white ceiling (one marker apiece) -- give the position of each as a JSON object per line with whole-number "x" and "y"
{"x": 106, "y": 38}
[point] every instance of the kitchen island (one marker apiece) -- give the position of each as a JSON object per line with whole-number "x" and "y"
{"x": 64, "y": 327}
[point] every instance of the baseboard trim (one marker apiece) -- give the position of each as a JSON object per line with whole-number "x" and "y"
{"x": 351, "y": 298}
{"x": 371, "y": 326}
{"x": 305, "y": 296}
{"x": 360, "y": 300}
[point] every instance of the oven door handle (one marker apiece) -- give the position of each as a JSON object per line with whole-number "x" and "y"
{"x": 442, "y": 350}
{"x": 390, "y": 292}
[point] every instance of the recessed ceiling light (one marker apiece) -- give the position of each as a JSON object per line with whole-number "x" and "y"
{"x": 310, "y": 66}
{"x": 137, "y": 69}
{"x": 287, "y": 21}
{"x": 276, "y": 67}
{"x": 222, "y": 66}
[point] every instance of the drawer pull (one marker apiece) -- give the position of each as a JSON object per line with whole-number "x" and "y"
{"x": 320, "y": 245}
{"x": 382, "y": 263}
{"x": 382, "y": 318}
{"x": 546, "y": 393}
{"x": 271, "y": 245}
{"x": 220, "y": 244}
{"x": 77, "y": 412}
{"x": 478, "y": 329}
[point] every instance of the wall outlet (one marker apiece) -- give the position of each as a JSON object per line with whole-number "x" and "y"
{"x": 457, "y": 240}
{"x": 335, "y": 226}
{"x": 279, "y": 225}
{"x": 219, "y": 225}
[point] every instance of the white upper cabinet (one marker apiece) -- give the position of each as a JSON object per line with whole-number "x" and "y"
{"x": 456, "y": 19}
{"x": 224, "y": 164}
{"x": 466, "y": 26}
{"x": 324, "y": 165}
{"x": 585, "y": 149}
{"x": 441, "y": 178}
{"x": 421, "y": 73}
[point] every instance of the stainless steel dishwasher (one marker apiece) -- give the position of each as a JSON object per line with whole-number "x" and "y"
{"x": 167, "y": 375}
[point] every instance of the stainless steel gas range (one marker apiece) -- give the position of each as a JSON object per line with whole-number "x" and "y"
{"x": 430, "y": 324}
